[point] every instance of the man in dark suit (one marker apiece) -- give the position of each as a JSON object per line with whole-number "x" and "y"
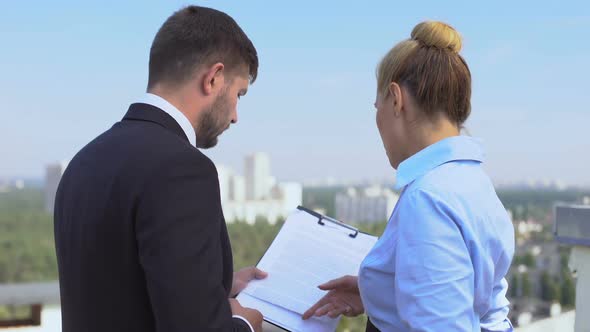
{"x": 140, "y": 236}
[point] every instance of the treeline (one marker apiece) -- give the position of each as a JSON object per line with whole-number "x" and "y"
{"x": 27, "y": 250}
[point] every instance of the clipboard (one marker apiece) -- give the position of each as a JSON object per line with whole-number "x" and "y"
{"x": 310, "y": 249}
{"x": 321, "y": 222}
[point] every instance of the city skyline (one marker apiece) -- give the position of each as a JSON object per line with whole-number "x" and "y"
{"x": 20, "y": 182}
{"x": 68, "y": 76}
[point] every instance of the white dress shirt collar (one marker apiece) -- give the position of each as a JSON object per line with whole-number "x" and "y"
{"x": 181, "y": 119}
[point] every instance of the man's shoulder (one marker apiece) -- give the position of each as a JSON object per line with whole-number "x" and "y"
{"x": 139, "y": 147}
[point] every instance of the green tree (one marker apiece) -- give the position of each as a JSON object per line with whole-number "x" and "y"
{"x": 568, "y": 291}
{"x": 556, "y": 291}
{"x": 514, "y": 286}
{"x": 27, "y": 250}
{"x": 550, "y": 290}
{"x": 352, "y": 324}
{"x": 525, "y": 283}
{"x": 564, "y": 260}
{"x": 529, "y": 260}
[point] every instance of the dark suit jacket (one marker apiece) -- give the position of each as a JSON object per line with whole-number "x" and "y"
{"x": 140, "y": 236}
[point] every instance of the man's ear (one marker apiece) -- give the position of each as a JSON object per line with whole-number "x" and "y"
{"x": 213, "y": 78}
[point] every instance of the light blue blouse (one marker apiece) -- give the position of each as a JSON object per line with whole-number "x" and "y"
{"x": 441, "y": 261}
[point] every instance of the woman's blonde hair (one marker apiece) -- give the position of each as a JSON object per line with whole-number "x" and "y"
{"x": 429, "y": 65}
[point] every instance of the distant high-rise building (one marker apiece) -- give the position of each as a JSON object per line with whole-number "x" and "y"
{"x": 257, "y": 174}
{"x": 290, "y": 193}
{"x": 225, "y": 176}
{"x": 53, "y": 173}
{"x": 237, "y": 188}
{"x": 19, "y": 184}
{"x": 368, "y": 205}
{"x": 258, "y": 194}
{"x": 232, "y": 187}
{"x": 4, "y": 187}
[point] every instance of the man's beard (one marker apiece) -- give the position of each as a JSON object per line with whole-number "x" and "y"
{"x": 213, "y": 122}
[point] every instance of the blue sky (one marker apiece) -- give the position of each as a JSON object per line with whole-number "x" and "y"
{"x": 69, "y": 70}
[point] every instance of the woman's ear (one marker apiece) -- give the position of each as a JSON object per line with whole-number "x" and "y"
{"x": 396, "y": 99}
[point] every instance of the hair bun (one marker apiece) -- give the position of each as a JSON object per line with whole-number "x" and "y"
{"x": 437, "y": 34}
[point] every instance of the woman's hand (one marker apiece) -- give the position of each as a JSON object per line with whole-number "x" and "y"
{"x": 343, "y": 298}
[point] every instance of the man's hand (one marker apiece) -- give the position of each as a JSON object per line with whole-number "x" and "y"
{"x": 254, "y": 317}
{"x": 243, "y": 277}
{"x": 343, "y": 298}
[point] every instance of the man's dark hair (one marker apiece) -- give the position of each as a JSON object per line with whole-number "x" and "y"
{"x": 198, "y": 36}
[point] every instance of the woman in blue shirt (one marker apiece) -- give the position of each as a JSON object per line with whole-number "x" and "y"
{"x": 441, "y": 262}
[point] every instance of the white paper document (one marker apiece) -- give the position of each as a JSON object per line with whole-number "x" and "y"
{"x": 304, "y": 255}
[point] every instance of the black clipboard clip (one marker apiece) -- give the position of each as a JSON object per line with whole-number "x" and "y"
{"x": 321, "y": 222}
